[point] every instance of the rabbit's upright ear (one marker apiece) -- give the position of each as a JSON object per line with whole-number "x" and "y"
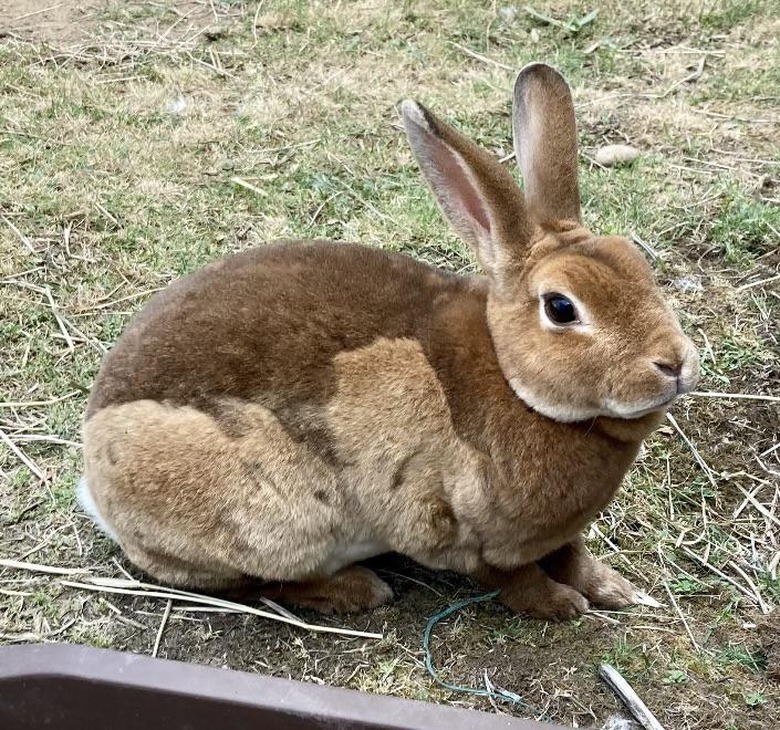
{"x": 478, "y": 196}
{"x": 545, "y": 136}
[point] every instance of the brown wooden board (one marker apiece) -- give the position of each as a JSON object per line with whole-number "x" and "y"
{"x": 74, "y": 687}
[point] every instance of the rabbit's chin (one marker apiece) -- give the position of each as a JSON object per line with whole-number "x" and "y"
{"x": 619, "y": 410}
{"x": 570, "y": 413}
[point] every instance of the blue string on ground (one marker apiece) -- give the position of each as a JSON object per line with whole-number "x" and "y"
{"x": 495, "y": 693}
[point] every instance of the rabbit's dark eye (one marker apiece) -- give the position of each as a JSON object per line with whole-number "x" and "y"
{"x": 559, "y": 309}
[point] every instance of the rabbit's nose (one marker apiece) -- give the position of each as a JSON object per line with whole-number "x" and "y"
{"x": 670, "y": 369}
{"x": 682, "y": 366}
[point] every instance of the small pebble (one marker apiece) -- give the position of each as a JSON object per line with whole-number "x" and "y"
{"x": 616, "y": 154}
{"x": 177, "y": 105}
{"x": 690, "y": 283}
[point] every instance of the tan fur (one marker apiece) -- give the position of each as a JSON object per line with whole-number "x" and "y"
{"x": 172, "y": 486}
{"x": 291, "y": 410}
{"x": 545, "y": 136}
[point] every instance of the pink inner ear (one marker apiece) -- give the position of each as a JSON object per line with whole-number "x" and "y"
{"x": 462, "y": 197}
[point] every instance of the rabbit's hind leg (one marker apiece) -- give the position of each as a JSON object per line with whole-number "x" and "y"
{"x": 173, "y": 571}
{"x": 350, "y": 589}
{"x": 195, "y": 508}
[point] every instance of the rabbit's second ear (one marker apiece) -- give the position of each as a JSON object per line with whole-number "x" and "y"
{"x": 545, "y": 136}
{"x": 477, "y": 195}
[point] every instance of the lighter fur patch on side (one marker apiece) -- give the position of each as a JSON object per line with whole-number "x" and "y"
{"x": 87, "y": 503}
{"x": 414, "y": 481}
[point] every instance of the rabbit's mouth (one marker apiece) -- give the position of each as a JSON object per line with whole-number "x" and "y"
{"x": 618, "y": 410}
{"x": 671, "y": 381}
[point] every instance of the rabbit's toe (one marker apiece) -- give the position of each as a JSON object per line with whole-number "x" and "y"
{"x": 561, "y": 602}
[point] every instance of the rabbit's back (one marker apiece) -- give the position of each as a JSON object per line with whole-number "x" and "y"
{"x": 267, "y": 323}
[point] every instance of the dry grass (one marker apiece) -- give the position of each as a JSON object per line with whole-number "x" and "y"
{"x": 162, "y": 135}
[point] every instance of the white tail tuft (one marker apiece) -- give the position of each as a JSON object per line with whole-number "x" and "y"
{"x": 87, "y": 503}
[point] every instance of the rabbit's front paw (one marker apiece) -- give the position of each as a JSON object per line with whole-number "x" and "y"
{"x": 357, "y": 589}
{"x": 558, "y": 603}
{"x": 573, "y": 565}
{"x": 545, "y": 599}
{"x": 607, "y": 588}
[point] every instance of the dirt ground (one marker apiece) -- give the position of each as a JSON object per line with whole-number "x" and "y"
{"x": 48, "y": 20}
{"x": 124, "y": 127}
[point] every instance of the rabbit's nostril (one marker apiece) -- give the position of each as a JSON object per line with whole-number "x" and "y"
{"x": 672, "y": 370}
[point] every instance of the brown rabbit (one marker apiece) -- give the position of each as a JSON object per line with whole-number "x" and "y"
{"x": 290, "y": 410}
